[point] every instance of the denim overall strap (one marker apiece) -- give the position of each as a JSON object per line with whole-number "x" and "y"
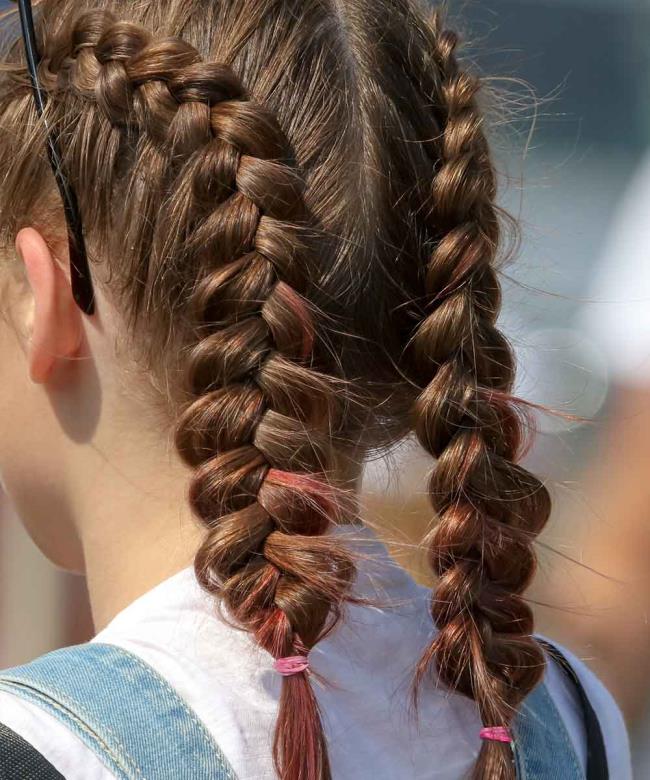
{"x": 597, "y": 761}
{"x": 123, "y": 710}
{"x": 542, "y": 745}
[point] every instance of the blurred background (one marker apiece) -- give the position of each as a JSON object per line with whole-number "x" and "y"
{"x": 577, "y": 309}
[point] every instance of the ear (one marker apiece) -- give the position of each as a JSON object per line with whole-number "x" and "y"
{"x": 56, "y": 323}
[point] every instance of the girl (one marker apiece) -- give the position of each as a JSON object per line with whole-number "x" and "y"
{"x": 276, "y": 255}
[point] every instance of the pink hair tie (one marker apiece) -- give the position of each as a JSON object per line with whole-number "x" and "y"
{"x": 294, "y": 664}
{"x": 496, "y": 734}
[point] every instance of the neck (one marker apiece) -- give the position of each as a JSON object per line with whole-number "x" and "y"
{"x": 131, "y": 513}
{"x": 137, "y": 527}
{"x": 137, "y": 532}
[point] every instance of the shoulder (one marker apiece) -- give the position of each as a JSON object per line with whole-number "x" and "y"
{"x": 610, "y": 718}
{"x": 34, "y": 744}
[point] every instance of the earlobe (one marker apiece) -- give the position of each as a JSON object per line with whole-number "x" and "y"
{"x": 56, "y": 327}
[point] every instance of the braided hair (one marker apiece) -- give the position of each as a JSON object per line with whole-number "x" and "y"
{"x": 488, "y": 508}
{"x": 292, "y": 205}
{"x": 256, "y": 413}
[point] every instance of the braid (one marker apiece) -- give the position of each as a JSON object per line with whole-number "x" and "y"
{"x": 489, "y": 509}
{"x": 214, "y": 245}
{"x": 256, "y": 420}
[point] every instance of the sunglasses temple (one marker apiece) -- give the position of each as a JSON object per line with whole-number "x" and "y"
{"x": 82, "y": 288}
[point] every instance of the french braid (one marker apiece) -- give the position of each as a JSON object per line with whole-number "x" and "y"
{"x": 488, "y": 508}
{"x": 256, "y": 419}
{"x": 220, "y": 251}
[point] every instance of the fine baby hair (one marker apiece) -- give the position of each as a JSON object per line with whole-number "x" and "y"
{"x": 290, "y": 204}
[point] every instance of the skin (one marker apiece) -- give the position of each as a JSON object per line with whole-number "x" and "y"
{"x": 87, "y": 459}
{"x": 91, "y": 471}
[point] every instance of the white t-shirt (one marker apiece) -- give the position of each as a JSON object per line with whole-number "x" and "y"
{"x": 369, "y": 659}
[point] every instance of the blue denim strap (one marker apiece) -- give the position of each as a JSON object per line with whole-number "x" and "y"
{"x": 140, "y": 728}
{"x": 542, "y": 745}
{"x": 597, "y": 761}
{"x": 122, "y": 710}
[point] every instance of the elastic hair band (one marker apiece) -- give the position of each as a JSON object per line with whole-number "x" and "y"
{"x": 496, "y": 734}
{"x": 294, "y": 664}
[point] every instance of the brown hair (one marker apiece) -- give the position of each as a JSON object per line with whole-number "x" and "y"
{"x": 293, "y": 206}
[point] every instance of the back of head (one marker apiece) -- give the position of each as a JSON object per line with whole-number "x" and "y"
{"x": 292, "y": 207}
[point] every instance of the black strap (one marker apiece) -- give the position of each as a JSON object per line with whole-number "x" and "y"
{"x": 19, "y": 759}
{"x": 597, "y": 768}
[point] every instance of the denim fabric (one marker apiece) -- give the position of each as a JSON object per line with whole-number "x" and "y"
{"x": 123, "y": 710}
{"x": 542, "y": 745}
{"x": 141, "y": 729}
